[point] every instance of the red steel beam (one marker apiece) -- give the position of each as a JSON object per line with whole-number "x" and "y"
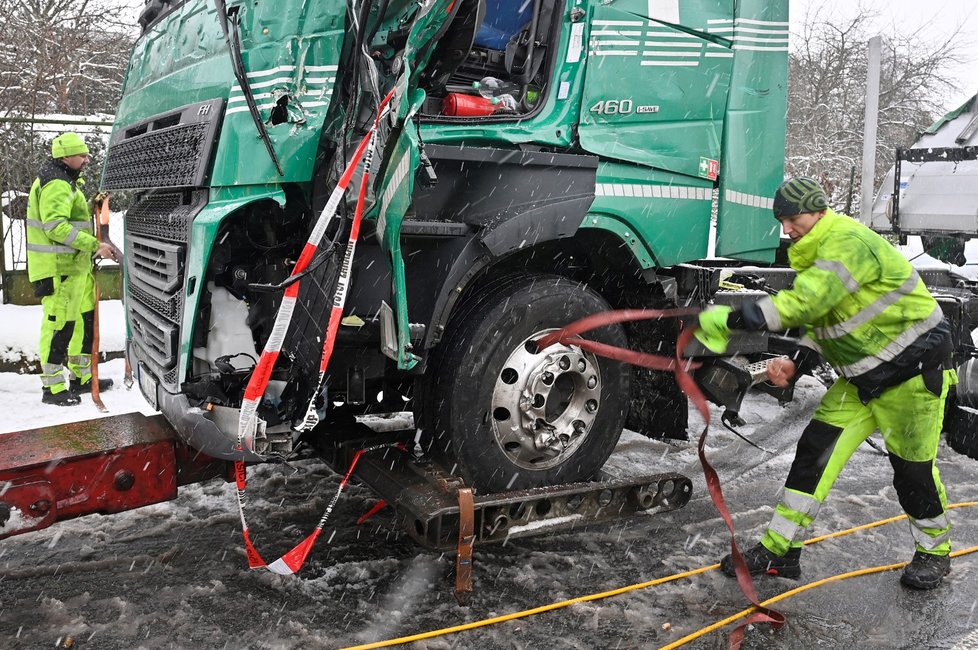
{"x": 98, "y": 466}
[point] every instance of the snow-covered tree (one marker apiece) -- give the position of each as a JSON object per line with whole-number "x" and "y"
{"x": 58, "y": 57}
{"x": 826, "y": 97}
{"x": 63, "y": 56}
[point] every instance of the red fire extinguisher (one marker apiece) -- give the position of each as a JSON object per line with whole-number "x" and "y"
{"x": 462, "y": 105}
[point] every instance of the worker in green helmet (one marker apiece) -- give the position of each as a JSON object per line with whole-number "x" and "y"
{"x": 867, "y": 312}
{"x": 60, "y": 245}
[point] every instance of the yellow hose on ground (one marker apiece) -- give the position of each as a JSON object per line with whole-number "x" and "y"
{"x": 797, "y": 590}
{"x": 677, "y": 576}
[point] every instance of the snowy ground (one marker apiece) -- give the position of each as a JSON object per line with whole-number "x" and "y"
{"x": 174, "y": 575}
{"x": 20, "y": 394}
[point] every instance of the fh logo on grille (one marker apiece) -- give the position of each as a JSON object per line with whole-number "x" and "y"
{"x": 204, "y": 110}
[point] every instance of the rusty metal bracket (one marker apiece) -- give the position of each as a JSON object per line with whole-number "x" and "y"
{"x": 466, "y": 541}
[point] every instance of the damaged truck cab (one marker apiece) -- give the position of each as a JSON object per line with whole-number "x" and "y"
{"x": 542, "y": 160}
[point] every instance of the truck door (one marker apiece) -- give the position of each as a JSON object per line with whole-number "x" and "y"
{"x": 656, "y": 84}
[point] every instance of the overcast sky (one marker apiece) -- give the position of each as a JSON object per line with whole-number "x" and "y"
{"x": 937, "y": 18}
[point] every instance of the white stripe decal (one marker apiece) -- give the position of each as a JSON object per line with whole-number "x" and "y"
{"x": 759, "y": 40}
{"x": 664, "y": 44}
{"x": 672, "y": 63}
{"x": 644, "y": 190}
{"x": 745, "y": 21}
{"x": 677, "y": 35}
{"x": 315, "y": 92}
{"x": 760, "y": 49}
{"x": 289, "y": 68}
{"x": 265, "y": 73}
{"x": 622, "y": 23}
{"x": 262, "y": 107}
{"x": 615, "y": 32}
{"x": 750, "y": 200}
{"x": 614, "y": 52}
{"x": 264, "y": 84}
{"x": 748, "y": 30}
{"x": 396, "y": 179}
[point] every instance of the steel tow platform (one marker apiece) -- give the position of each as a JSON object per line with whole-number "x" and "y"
{"x": 425, "y": 501}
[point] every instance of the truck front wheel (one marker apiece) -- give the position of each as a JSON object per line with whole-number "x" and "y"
{"x": 510, "y": 416}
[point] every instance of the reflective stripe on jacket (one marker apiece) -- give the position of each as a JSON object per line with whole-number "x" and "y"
{"x": 859, "y": 298}
{"x": 59, "y": 225}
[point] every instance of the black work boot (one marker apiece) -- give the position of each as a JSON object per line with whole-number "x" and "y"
{"x": 64, "y": 398}
{"x": 759, "y": 560}
{"x": 77, "y": 388}
{"x": 926, "y": 570}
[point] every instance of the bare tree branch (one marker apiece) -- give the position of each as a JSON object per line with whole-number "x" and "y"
{"x": 827, "y": 88}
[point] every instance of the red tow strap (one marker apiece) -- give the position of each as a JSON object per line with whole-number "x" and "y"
{"x": 569, "y": 335}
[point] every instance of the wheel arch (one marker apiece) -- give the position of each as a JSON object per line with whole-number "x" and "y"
{"x": 598, "y": 258}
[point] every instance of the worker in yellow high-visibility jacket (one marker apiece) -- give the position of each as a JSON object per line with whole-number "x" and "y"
{"x": 60, "y": 246}
{"x": 868, "y": 313}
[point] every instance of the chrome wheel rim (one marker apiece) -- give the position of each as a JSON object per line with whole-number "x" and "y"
{"x": 545, "y": 403}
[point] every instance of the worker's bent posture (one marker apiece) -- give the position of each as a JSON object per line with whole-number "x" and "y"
{"x": 868, "y": 313}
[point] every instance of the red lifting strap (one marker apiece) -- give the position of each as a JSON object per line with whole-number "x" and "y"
{"x": 569, "y": 335}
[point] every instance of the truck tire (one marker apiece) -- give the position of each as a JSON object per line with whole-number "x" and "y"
{"x": 508, "y": 417}
{"x": 961, "y": 427}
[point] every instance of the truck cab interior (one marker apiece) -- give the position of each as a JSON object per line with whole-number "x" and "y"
{"x": 507, "y": 40}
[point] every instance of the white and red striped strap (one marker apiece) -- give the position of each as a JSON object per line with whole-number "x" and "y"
{"x": 293, "y": 560}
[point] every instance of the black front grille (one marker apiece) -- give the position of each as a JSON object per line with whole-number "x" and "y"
{"x": 164, "y": 215}
{"x": 153, "y": 263}
{"x": 157, "y": 239}
{"x": 155, "y": 336}
{"x": 169, "y": 150}
{"x": 169, "y": 307}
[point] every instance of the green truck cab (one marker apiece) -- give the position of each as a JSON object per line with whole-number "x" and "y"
{"x": 633, "y": 134}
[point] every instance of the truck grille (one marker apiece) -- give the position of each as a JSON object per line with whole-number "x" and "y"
{"x": 154, "y": 263}
{"x": 154, "y": 335}
{"x": 169, "y": 150}
{"x": 157, "y": 238}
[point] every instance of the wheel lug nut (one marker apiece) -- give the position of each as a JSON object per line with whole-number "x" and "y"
{"x": 548, "y": 378}
{"x": 591, "y": 406}
{"x": 564, "y": 363}
{"x": 592, "y": 381}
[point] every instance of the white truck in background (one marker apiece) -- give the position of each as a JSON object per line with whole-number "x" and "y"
{"x": 932, "y": 193}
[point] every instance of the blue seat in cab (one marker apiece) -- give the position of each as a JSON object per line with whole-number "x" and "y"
{"x": 504, "y": 18}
